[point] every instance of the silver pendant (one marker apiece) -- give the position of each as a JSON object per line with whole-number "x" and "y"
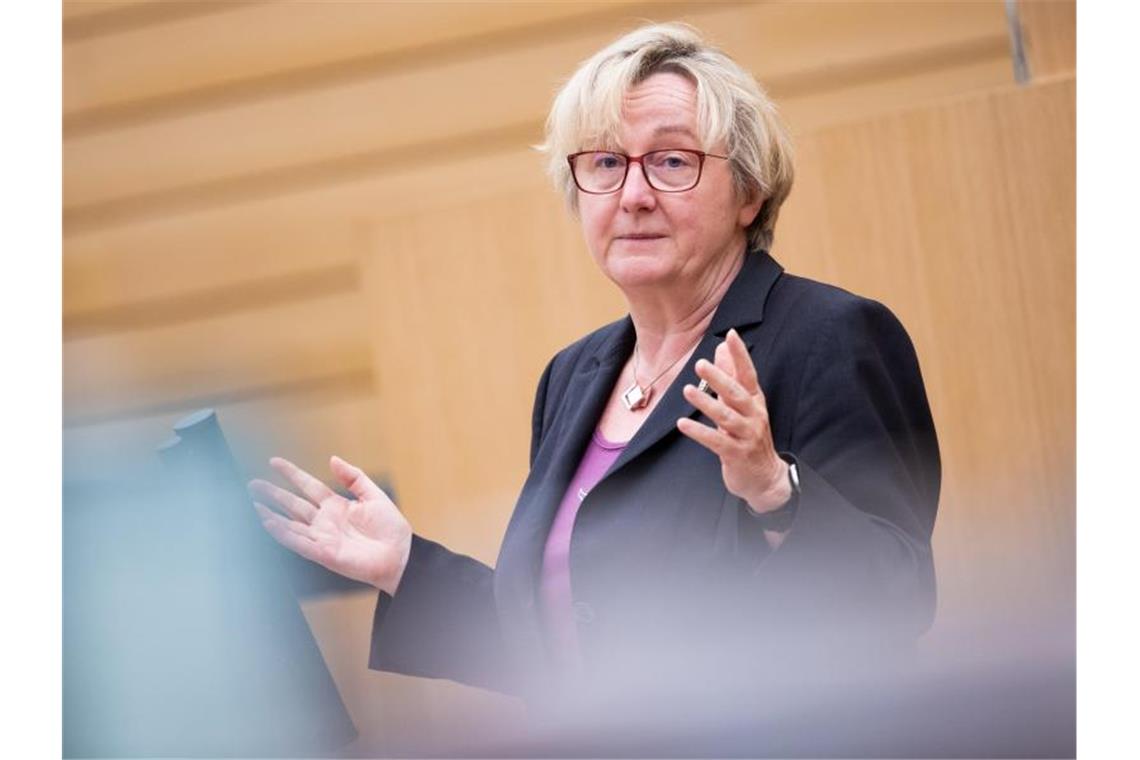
{"x": 636, "y": 397}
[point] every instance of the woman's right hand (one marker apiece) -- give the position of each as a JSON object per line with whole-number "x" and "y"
{"x": 366, "y": 538}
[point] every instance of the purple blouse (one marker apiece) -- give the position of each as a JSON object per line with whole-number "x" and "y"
{"x": 556, "y": 596}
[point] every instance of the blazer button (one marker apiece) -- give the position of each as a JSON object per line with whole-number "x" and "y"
{"x": 584, "y": 613}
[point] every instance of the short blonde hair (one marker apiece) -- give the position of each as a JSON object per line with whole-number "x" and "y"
{"x": 731, "y": 109}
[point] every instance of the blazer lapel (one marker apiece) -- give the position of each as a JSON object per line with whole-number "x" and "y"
{"x": 520, "y": 558}
{"x": 743, "y": 305}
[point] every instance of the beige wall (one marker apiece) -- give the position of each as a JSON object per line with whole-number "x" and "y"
{"x": 312, "y": 216}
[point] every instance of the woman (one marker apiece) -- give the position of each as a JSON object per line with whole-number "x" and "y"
{"x": 746, "y": 462}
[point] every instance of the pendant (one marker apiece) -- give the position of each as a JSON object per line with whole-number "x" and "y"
{"x": 636, "y": 397}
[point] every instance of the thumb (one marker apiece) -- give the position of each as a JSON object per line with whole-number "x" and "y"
{"x": 354, "y": 479}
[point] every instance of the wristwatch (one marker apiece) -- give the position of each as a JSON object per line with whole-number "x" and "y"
{"x": 780, "y": 519}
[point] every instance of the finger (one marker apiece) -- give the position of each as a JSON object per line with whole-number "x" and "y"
{"x": 730, "y": 391}
{"x": 712, "y": 439}
{"x": 305, "y": 483}
{"x": 726, "y": 418}
{"x": 268, "y": 515}
{"x": 279, "y": 528}
{"x": 355, "y": 480}
{"x": 292, "y": 504}
{"x": 745, "y": 370}
{"x": 723, "y": 359}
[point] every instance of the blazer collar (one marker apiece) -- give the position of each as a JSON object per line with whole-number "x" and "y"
{"x": 744, "y": 302}
{"x": 741, "y": 307}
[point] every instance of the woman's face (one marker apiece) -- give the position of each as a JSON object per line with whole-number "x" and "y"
{"x": 641, "y": 237}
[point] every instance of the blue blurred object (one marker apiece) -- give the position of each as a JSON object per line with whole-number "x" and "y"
{"x": 182, "y": 634}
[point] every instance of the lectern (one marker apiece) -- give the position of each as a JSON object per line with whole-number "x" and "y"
{"x": 182, "y": 634}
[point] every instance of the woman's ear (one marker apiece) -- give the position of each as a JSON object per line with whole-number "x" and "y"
{"x": 751, "y": 207}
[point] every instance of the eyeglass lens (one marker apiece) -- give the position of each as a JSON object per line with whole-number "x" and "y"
{"x": 669, "y": 170}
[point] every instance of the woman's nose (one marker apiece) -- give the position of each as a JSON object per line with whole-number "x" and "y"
{"x": 636, "y": 193}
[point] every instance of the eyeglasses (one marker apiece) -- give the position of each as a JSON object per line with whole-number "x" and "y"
{"x": 669, "y": 171}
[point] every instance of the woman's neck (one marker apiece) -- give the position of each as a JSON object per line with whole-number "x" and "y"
{"x": 667, "y": 327}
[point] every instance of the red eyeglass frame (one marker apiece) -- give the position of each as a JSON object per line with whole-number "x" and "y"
{"x": 631, "y": 160}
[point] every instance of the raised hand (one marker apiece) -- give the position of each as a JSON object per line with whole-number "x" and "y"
{"x": 366, "y": 538}
{"x": 742, "y": 438}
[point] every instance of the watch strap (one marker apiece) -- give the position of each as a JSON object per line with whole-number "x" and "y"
{"x": 780, "y": 519}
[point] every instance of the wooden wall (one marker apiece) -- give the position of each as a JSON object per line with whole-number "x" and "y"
{"x": 313, "y": 216}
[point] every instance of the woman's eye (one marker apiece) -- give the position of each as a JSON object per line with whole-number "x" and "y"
{"x": 607, "y": 161}
{"x": 673, "y": 161}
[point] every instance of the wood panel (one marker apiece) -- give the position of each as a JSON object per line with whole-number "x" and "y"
{"x": 961, "y": 218}
{"x": 204, "y": 56}
{"x": 407, "y": 107}
{"x": 295, "y": 345}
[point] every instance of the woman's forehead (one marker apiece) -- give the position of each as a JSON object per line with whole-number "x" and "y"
{"x": 663, "y": 106}
{"x": 662, "y": 91}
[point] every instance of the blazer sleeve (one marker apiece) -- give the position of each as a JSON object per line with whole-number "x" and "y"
{"x": 867, "y": 454}
{"x": 443, "y": 622}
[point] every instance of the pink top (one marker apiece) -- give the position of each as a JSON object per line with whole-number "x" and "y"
{"x": 556, "y": 597}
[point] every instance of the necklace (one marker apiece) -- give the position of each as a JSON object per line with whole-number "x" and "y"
{"x": 637, "y": 396}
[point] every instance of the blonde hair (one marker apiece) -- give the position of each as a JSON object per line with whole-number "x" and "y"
{"x": 731, "y": 109}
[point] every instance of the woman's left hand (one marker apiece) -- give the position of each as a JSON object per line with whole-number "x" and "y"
{"x": 742, "y": 438}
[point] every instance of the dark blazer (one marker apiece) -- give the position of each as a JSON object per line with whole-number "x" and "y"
{"x": 662, "y": 556}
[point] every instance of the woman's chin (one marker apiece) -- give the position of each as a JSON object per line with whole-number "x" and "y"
{"x": 639, "y": 271}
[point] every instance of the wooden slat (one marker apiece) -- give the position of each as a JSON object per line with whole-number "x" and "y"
{"x": 311, "y": 230}
{"x": 77, "y": 9}
{"x": 305, "y": 427}
{"x": 192, "y": 305}
{"x": 298, "y": 344}
{"x": 266, "y": 45}
{"x": 901, "y": 91}
{"x": 408, "y": 107}
{"x": 85, "y": 20}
